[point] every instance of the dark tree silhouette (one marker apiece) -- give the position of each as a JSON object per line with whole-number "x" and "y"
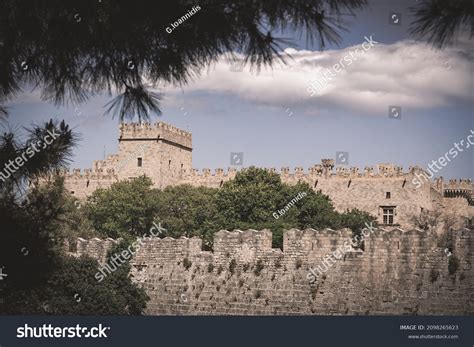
{"x": 75, "y": 49}
{"x": 441, "y": 20}
{"x": 28, "y": 240}
{"x": 40, "y": 279}
{"x": 49, "y": 155}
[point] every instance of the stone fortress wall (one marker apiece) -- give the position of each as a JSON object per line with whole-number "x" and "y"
{"x": 164, "y": 153}
{"x": 399, "y": 272}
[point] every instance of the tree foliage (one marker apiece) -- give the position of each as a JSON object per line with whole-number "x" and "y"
{"x": 41, "y": 278}
{"x": 250, "y": 201}
{"x": 73, "y": 290}
{"x": 28, "y": 223}
{"x": 440, "y": 21}
{"x": 356, "y": 220}
{"x": 46, "y": 148}
{"x": 75, "y": 49}
{"x": 186, "y": 210}
{"x": 126, "y": 208}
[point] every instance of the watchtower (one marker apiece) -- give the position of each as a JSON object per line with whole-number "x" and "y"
{"x": 160, "y": 151}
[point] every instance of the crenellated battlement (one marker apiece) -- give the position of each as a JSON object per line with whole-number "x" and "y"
{"x": 236, "y": 241}
{"x": 219, "y": 172}
{"x": 95, "y": 248}
{"x": 227, "y": 242}
{"x": 156, "y": 131}
{"x": 149, "y": 128}
{"x": 461, "y": 184}
{"x": 77, "y": 174}
{"x": 462, "y": 188}
{"x": 318, "y": 170}
{"x": 318, "y": 272}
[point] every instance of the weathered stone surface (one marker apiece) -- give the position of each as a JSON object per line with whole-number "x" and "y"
{"x": 399, "y": 272}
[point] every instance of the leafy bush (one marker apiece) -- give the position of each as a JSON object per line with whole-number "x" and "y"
{"x": 74, "y": 280}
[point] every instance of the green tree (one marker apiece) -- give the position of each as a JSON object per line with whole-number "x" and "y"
{"x": 40, "y": 275}
{"x": 129, "y": 208}
{"x": 186, "y": 210}
{"x": 70, "y": 220}
{"x": 124, "y": 209}
{"x": 355, "y": 220}
{"x": 73, "y": 222}
{"x": 30, "y": 244}
{"x": 72, "y": 289}
{"x": 249, "y": 199}
{"x": 252, "y": 200}
{"x": 42, "y": 279}
{"x": 314, "y": 210}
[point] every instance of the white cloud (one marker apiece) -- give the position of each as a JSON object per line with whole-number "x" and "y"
{"x": 407, "y": 73}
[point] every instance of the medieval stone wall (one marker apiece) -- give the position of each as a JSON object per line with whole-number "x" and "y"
{"x": 82, "y": 183}
{"x": 398, "y": 272}
{"x": 458, "y": 207}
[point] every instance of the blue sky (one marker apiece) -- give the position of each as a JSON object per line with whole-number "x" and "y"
{"x": 272, "y": 119}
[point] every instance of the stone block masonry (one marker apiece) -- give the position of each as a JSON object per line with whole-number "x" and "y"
{"x": 95, "y": 248}
{"x": 399, "y": 272}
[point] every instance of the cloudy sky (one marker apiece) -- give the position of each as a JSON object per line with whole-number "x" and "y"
{"x": 270, "y": 116}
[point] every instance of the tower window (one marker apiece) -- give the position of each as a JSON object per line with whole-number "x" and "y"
{"x": 72, "y": 192}
{"x": 140, "y": 162}
{"x": 169, "y": 162}
{"x": 388, "y": 213}
{"x": 387, "y": 195}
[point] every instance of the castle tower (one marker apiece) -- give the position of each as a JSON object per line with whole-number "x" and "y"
{"x": 160, "y": 151}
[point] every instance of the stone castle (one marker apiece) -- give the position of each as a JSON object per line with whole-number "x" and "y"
{"x": 164, "y": 153}
{"x": 398, "y": 272}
